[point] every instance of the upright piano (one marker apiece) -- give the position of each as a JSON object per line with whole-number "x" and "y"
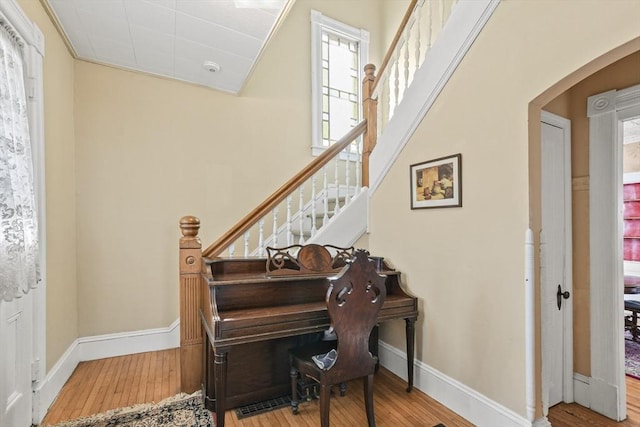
{"x": 255, "y": 309}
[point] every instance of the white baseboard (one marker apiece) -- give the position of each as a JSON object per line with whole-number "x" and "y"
{"x": 466, "y": 402}
{"x": 47, "y": 390}
{"x": 581, "y": 390}
{"x": 112, "y": 345}
{"x": 99, "y": 347}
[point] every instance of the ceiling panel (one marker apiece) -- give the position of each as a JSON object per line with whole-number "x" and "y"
{"x": 172, "y": 38}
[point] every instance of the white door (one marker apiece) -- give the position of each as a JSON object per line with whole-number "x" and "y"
{"x": 555, "y": 262}
{"x": 16, "y": 326}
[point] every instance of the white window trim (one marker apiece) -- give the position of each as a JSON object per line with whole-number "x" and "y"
{"x": 13, "y": 16}
{"x": 318, "y": 23}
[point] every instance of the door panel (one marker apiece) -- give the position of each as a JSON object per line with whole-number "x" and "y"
{"x": 556, "y": 261}
{"x": 15, "y": 365}
{"x": 552, "y": 256}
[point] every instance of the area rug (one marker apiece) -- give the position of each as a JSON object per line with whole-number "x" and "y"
{"x": 182, "y": 410}
{"x": 632, "y": 357}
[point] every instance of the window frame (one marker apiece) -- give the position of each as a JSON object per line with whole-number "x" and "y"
{"x": 319, "y": 24}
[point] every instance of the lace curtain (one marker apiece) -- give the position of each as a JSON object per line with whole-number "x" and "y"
{"x": 19, "y": 270}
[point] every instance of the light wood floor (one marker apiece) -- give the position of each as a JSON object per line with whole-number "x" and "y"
{"x": 100, "y": 385}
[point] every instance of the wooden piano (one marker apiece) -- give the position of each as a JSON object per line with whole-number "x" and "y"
{"x": 255, "y": 309}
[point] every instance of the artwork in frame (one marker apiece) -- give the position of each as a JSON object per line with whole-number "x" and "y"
{"x": 437, "y": 183}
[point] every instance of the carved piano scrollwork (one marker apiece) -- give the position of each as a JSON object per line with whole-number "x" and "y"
{"x": 307, "y": 259}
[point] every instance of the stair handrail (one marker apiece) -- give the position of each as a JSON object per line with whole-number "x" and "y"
{"x": 235, "y": 232}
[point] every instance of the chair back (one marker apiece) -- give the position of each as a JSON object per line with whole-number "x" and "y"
{"x": 354, "y": 299}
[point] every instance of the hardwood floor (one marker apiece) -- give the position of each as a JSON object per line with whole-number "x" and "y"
{"x": 104, "y": 384}
{"x": 100, "y": 385}
{"x": 572, "y": 415}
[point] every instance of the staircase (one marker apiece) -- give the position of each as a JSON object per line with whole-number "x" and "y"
{"x": 327, "y": 202}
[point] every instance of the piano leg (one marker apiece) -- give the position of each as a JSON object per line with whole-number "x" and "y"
{"x": 411, "y": 337}
{"x": 221, "y": 385}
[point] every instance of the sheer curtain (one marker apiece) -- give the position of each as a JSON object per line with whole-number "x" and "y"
{"x": 19, "y": 270}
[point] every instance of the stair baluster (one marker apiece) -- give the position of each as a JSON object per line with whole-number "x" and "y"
{"x": 314, "y": 228}
{"x": 247, "y": 235}
{"x": 347, "y": 167}
{"x": 261, "y": 237}
{"x": 289, "y": 230}
{"x": 275, "y": 226}
{"x": 336, "y": 183}
{"x": 325, "y": 197}
{"x": 301, "y": 214}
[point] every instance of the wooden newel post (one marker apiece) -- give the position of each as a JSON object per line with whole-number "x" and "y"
{"x": 190, "y": 299}
{"x": 370, "y": 112}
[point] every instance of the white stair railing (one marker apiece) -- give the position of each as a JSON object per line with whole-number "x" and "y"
{"x": 414, "y": 39}
{"x": 297, "y": 211}
{"x": 418, "y": 31}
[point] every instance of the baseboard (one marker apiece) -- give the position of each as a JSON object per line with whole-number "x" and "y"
{"x": 468, "y": 403}
{"x": 47, "y": 390}
{"x": 99, "y": 347}
{"x": 112, "y": 345}
{"x": 581, "y": 390}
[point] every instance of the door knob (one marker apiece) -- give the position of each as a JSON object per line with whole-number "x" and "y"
{"x": 560, "y": 295}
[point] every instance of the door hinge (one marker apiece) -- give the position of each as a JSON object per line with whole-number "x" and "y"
{"x": 35, "y": 370}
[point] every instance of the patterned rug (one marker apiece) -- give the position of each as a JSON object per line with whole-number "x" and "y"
{"x": 632, "y": 357}
{"x": 182, "y": 410}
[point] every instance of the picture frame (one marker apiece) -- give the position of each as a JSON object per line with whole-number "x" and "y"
{"x": 436, "y": 183}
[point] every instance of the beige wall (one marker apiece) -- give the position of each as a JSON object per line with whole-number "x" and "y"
{"x": 467, "y": 264}
{"x": 62, "y": 308}
{"x": 151, "y": 150}
{"x": 573, "y": 105}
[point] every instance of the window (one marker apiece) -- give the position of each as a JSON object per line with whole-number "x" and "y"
{"x": 338, "y": 56}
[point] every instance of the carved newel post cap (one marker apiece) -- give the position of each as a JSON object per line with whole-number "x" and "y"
{"x": 189, "y": 226}
{"x": 369, "y": 70}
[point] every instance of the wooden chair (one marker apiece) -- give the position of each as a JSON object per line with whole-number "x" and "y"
{"x": 353, "y": 300}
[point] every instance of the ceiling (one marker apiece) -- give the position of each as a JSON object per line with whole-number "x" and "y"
{"x": 214, "y": 43}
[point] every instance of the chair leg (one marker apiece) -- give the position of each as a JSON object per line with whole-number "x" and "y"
{"x": 368, "y": 400}
{"x": 294, "y": 393}
{"x": 325, "y": 395}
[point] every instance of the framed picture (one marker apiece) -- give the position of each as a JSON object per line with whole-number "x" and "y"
{"x": 437, "y": 183}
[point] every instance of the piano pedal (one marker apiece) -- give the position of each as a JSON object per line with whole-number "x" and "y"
{"x": 308, "y": 389}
